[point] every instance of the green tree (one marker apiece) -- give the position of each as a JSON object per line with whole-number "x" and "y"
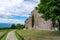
{"x": 13, "y": 26}
{"x": 19, "y": 26}
{"x": 32, "y": 21}
{"x": 50, "y": 10}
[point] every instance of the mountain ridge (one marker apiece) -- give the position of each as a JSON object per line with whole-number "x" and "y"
{"x": 5, "y": 25}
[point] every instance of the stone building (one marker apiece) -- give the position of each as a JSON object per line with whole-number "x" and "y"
{"x": 39, "y": 23}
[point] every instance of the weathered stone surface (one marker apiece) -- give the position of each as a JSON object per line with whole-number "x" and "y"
{"x": 39, "y": 23}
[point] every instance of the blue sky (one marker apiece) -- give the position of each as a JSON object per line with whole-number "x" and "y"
{"x": 16, "y": 11}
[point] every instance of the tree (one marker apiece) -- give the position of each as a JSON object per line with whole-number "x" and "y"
{"x": 13, "y": 26}
{"x": 50, "y": 10}
{"x": 19, "y": 26}
{"x": 32, "y": 21}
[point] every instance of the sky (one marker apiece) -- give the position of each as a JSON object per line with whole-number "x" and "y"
{"x": 16, "y": 11}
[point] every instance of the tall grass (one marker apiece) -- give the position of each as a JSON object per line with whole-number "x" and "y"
{"x": 39, "y": 35}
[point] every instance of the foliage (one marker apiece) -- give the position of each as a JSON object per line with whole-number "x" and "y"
{"x": 13, "y": 26}
{"x": 19, "y": 26}
{"x": 50, "y": 10}
{"x": 32, "y": 20}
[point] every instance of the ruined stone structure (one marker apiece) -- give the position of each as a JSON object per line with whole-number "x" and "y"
{"x": 39, "y": 23}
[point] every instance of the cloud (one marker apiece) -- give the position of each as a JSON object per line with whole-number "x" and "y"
{"x": 12, "y": 8}
{"x": 15, "y": 21}
{"x": 9, "y": 3}
{"x": 17, "y": 8}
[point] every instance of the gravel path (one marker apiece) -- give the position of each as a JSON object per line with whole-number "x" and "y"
{"x": 11, "y": 36}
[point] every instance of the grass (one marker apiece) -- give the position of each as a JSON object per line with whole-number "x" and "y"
{"x": 39, "y": 35}
{"x": 4, "y": 37}
{"x": 19, "y": 37}
{"x": 3, "y": 34}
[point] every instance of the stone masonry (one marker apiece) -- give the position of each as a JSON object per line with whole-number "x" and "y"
{"x": 39, "y": 23}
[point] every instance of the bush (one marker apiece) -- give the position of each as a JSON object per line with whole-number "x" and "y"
{"x": 19, "y": 26}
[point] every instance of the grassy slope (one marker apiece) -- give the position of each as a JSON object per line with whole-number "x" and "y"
{"x": 3, "y": 34}
{"x": 39, "y": 35}
{"x": 19, "y": 37}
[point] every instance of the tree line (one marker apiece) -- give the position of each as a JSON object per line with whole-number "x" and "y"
{"x": 15, "y": 26}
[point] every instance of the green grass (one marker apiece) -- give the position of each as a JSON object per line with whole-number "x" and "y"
{"x": 4, "y": 37}
{"x": 19, "y": 37}
{"x": 3, "y": 34}
{"x": 39, "y": 35}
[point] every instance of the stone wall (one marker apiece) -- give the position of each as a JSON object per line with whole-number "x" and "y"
{"x": 28, "y": 24}
{"x": 39, "y": 23}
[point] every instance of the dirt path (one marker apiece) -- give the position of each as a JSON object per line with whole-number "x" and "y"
{"x": 11, "y": 36}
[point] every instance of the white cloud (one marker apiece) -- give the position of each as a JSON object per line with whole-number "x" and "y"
{"x": 11, "y": 8}
{"x": 5, "y": 20}
{"x": 9, "y": 3}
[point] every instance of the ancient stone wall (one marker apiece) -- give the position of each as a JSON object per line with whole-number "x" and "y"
{"x": 28, "y": 24}
{"x": 39, "y": 23}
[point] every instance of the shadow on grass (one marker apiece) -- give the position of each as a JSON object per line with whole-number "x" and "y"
{"x": 19, "y": 37}
{"x": 4, "y": 35}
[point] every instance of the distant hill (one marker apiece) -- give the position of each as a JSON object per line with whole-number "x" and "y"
{"x": 4, "y": 25}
